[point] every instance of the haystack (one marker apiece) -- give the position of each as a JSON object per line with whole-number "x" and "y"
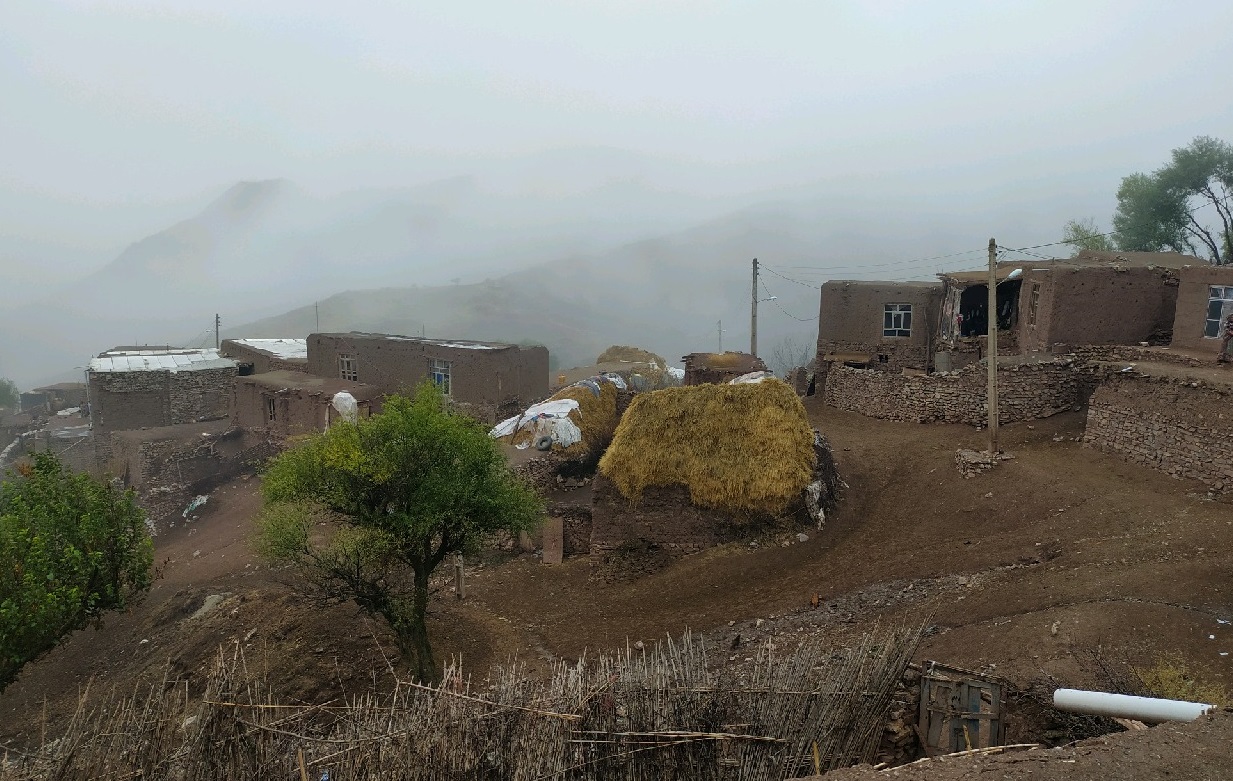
{"x": 741, "y": 449}
{"x": 590, "y": 405}
{"x": 623, "y": 354}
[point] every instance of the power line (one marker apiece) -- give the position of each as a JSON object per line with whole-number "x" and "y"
{"x": 764, "y": 267}
{"x": 774, "y": 300}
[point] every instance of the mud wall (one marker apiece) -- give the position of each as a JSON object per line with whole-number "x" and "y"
{"x": 850, "y": 319}
{"x": 1025, "y": 392}
{"x": 1086, "y": 305}
{"x": 1181, "y": 427}
{"x": 483, "y": 379}
{"x": 1190, "y": 317}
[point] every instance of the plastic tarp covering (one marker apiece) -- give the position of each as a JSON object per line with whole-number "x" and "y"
{"x": 617, "y": 380}
{"x": 675, "y": 373}
{"x": 549, "y": 418}
{"x": 751, "y": 377}
{"x": 346, "y": 405}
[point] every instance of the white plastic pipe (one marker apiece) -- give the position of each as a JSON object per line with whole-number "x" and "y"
{"x": 1124, "y": 706}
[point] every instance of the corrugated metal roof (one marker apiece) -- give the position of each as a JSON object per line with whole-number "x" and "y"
{"x": 160, "y": 361}
{"x": 287, "y": 349}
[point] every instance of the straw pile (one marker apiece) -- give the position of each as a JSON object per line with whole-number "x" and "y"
{"x": 595, "y": 416}
{"x": 738, "y": 448}
{"x": 622, "y": 354}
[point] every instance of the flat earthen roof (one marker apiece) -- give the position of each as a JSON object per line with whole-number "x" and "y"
{"x": 326, "y": 386}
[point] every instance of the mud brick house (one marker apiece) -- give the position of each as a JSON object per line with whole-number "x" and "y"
{"x": 717, "y": 368}
{"x": 134, "y": 388}
{"x": 287, "y": 403}
{"x": 885, "y": 326}
{"x": 491, "y": 380}
{"x": 1094, "y": 298}
{"x": 258, "y": 356}
{"x": 1204, "y": 300}
{"x": 64, "y": 395}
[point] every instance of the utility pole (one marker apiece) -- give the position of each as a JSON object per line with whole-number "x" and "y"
{"x": 217, "y": 324}
{"x": 992, "y": 349}
{"x": 720, "y": 327}
{"x": 753, "y": 312}
{"x": 317, "y": 316}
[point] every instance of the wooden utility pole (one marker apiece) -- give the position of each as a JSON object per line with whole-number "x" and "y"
{"x": 720, "y": 326}
{"x": 992, "y": 348}
{"x": 753, "y": 312}
{"x": 217, "y": 324}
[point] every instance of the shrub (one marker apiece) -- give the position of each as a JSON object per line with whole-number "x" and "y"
{"x": 71, "y": 548}
{"x": 1170, "y": 678}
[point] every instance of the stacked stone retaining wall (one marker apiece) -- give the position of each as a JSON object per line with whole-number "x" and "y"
{"x": 1025, "y": 392}
{"x": 1182, "y": 427}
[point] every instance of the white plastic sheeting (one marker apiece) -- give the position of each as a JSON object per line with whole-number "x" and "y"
{"x": 346, "y": 405}
{"x": 675, "y": 373}
{"x": 751, "y": 377}
{"x": 546, "y": 419}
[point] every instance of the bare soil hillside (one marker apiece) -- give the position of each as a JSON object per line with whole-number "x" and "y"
{"x": 1062, "y": 565}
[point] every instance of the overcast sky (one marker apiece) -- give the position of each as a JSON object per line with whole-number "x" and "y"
{"x": 118, "y": 112}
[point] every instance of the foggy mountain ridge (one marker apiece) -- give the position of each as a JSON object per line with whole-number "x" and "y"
{"x": 262, "y": 247}
{"x": 614, "y": 259}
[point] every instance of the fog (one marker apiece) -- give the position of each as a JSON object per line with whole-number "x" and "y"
{"x": 576, "y": 173}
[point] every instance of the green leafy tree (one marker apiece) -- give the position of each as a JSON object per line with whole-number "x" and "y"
{"x": 1084, "y": 234}
{"x": 71, "y": 548}
{"x": 1185, "y": 206}
{"x": 366, "y": 511}
{"x": 9, "y": 397}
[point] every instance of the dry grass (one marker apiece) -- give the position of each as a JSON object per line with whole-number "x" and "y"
{"x": 726, "y": 360}
{"x": 661, "y": 714}
{"x": 738, "y": 448}
{"x": 621, "y": 353}
{"x": 1170, "y": 678}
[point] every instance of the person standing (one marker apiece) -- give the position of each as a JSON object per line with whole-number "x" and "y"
{"x": 1226, "y": 337}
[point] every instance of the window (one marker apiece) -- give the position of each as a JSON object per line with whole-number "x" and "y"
{"x": 1033, "y": 303}
{"x": 269, "y": 409}
{"x": 1219, "y": 306}
{"x": 346, "y": 367}
{"x": 897, "y": 320}
{"x": 439, "y": 370}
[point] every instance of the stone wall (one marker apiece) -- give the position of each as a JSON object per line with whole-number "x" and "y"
{"x": 1025, "y": 391}
{"x": 169, "y": 466}
{"x": 125, "y": 401}
{"x": 1181, "y": 427}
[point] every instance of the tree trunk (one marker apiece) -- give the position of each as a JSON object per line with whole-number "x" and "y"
{"x": 417, "y": 631}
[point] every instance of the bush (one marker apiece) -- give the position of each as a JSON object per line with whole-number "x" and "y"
{"x": 71, "y": 548}
{"x": 1170, "y": 678}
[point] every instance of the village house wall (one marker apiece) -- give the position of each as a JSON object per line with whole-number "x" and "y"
{"x": 1026, "y": 391}
{"x": 122, "y": 401}
{"x": 1193, "y": 298}
{"x": 1178, "y": 426}
{"x": 261, "y": 361}
{"x": 302, "y": 403}
{"x": 1095, "y": 305}
{"x": 488, "y": 379}
{"x": 850, "y": 320}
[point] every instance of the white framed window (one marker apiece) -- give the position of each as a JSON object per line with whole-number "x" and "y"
{"x": 347, "y": 369}
{"x": 897, "y": 320}
{"x": 439, "y": 370}
{"x": 1219, "y": 306}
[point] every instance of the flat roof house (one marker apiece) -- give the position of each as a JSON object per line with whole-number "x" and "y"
{"x": 133, "y": 388}
{"x": 886, "y": 326}
{"x": 489, "y": 379}
{"x": 286, "y": 403}
{"x": 1204, "y": 300}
